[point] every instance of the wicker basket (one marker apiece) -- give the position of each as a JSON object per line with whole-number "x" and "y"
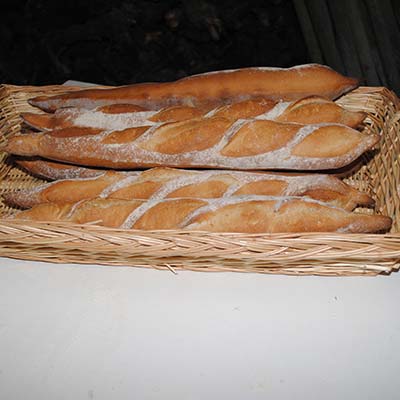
{"x": 296, "y": 254}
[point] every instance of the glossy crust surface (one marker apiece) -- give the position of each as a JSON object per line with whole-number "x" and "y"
{"x": 213, "y": 88}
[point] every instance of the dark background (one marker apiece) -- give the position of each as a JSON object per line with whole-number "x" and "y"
{"x": 121, "y": 41}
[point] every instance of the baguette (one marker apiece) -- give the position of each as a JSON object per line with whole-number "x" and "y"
{"x": 213, "y": 142}
{"x": 114, "y": 117}
{"x": 160, "y": 183}
{"x": 213, "y": 88}
{"x": 51, "y": 170}
{"x": 249, "y": 214}
{"x": 310, "y": 110}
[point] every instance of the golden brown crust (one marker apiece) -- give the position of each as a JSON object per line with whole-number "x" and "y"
{"x": 178, "y": 113}
{"x": 310, "y": 110}
{"x": 140, "y": 189}
{"x": 124, "y": 136}
{"x": 207, "y": 143}
{"x": 213, "y": 88}
{"x": 160, "y": 183}
{"x": 292, "y": 216}
{"x": 67, "y": 190}
{"x": 52, "y": 170}
{"x": 168, "y": 214}
{"x": 314, "y": 109}
{"x": 121, "y": 108}
{"x": 259, "y": 137}
{"x": 245, "y": 109}
{"x": 250, "y": 214}
{"x": 336, "y": 143}
{"x": 210, "y": 189}
{"x": 43, "y": 122}
{"x": 73, "y": 131}
{"x": 192, "y": 135}
{"x": 47, "y": 211}
{"x": 274, "y": 188}
{"x": 102, "y": 211}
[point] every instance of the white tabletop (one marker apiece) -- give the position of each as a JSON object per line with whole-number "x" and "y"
{"x": 91, "y": 332}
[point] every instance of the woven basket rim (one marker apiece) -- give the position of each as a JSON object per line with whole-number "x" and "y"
{"x": 50, "y": 225}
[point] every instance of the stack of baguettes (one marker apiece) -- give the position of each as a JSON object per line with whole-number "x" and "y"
{"x": 213, "y": 143}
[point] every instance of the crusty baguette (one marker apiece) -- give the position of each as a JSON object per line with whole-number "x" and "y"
{"x": 160, "y": 183}
{"x": 51, "y": 170}
{"x": 251, "y": 214}
{"x": 213, "y": 142}
{"x": 114, "y": 117}
{"x": 310, "y": 110}
{"x": 213, "y": 88}
{"x": 314, "y": 110}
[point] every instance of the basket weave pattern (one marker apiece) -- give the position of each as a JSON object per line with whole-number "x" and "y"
{"x": 378, "y": 173}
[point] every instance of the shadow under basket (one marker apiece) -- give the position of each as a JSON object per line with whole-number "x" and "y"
{"x": 338, "y": 254}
